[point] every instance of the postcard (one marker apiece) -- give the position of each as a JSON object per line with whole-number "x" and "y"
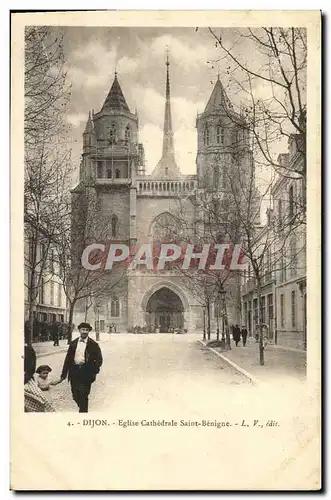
{"x": 165, "y": 190}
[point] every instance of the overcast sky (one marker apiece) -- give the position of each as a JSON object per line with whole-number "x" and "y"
{"x": 138, "y": 54}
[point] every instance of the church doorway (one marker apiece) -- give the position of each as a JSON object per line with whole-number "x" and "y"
{"x": 164, "y": 311}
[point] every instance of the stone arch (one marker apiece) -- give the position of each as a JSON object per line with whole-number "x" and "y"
{"x": 166, "y": 224}
{"x": 165, "y": 284}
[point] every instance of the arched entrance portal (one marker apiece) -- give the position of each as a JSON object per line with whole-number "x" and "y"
{"x": 164, "y": 310}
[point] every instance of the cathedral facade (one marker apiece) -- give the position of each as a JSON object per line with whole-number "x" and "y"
{"x": 135, "y": 205}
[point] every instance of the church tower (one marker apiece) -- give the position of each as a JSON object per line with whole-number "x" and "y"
{"x": 111, "y": 160}
{"x": 222, "y": 138}
{"x": 167, "y": 167}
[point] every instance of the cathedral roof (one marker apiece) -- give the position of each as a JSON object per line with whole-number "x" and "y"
{"x": 218, "y": 98}
{"x": 115, "y": 98}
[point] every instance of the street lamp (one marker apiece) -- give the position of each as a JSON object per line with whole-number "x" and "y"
{"x": 217, "y": 315}
{"x": 97, "y": 330}
{"x": 225, "y": 329}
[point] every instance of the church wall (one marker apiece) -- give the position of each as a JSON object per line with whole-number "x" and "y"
{"x": 149, "y": 208}
{"x": 117, "y": 202}
{"x": 140, "y": 284}
{"x": 103, "y": 124}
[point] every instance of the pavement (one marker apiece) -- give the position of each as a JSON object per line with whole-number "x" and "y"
{"x": 282, "y": 366}
{"x": 168, "y": 370}
{"x": 163, "y": 377}
{"x": 48, "y": 348}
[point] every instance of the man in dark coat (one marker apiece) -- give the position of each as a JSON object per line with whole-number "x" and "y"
{"x": 30, "y": 361}
{"x": 81, "y": 365}
{"x": 236, "y": 334}
{"x": 244, "y": 334}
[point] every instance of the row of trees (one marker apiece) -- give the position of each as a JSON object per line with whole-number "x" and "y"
{"x": 55, "y": 222}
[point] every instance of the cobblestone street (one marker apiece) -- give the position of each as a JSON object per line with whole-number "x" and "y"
{"x": 163, "y": 371}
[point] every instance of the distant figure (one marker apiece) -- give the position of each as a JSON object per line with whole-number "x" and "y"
{"x": 56, "y": 337}
{"x": 82, "y": 363}
{"x": 236, "y": 334}
{"x": 244, "y": 334}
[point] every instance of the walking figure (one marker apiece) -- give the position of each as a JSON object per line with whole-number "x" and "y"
{"x": 82, "y": 363}
{"x": 236, "y": 335}
{"x": 244, "y": 334}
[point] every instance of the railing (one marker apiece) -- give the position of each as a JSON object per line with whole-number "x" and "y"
{"x": 166, "y": 188}
{"x": 114, "y": 181}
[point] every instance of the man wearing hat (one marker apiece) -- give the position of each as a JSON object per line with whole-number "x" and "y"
{"x": 81, "y": 365}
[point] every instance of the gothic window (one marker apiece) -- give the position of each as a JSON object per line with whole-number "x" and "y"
{"x": 99, "y": 170}
{"x": 217, "y": 309}
{"x": 206, "y": 136}
{"x": 164, "y": 226}
{"x": 127, "y": 134}
{"x": 115, "y": 307}
{"x": 291, "y": 202}
{"x": 219, "y": 135}
{"x": 114, "y": 226}
{"x": 215, "y": 178}
{"x": 113, "y": 134}
{"x": 117, "y": 174}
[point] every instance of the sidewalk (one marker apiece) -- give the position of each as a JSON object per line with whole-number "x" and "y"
{"x": 280, "y": 365}
{"x": 47, "y": 348}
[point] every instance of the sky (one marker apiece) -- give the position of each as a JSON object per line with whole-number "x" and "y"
{"x": 138, "y": 55}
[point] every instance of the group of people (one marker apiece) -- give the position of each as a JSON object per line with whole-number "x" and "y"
{"x": 81, "y": 366}
{"x": 238, "y": 334}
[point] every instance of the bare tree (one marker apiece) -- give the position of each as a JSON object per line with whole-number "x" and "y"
{"x": 46, "y": 155}
{"x": 272, "y": 90}
{"x": 85, "y": 226}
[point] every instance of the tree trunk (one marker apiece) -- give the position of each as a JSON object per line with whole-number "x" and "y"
{"x": 260, "y": 328}
{"x": 208, "y": 320}
{"x": 29, "y": 337}
{"x": 71, "y": 314}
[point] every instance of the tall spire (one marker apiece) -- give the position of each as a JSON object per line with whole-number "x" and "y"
{"x": 167, "y": 166}
{"x": 89, "y": 125}
{"x": 115, "y": 98}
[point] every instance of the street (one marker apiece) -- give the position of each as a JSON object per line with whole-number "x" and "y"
{"x": 163, "y": 371}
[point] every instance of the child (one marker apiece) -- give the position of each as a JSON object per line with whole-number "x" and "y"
{"x": 43, "y": 381}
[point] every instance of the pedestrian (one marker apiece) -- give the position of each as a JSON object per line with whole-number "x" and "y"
{"x": 55, "y": 336}
{"x": 236, "y": 334}
{"x": 82, "y": 363}
{"x": 244, "y": 334}
{"x": 34, "y": 399}
{"x": 44, "y": 382}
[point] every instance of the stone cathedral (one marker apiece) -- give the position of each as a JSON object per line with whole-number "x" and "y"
{"x": 134, "y": 203}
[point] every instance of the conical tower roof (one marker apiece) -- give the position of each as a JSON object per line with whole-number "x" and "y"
{"x": 218, "y": 98}
{"x": 115, "y": 98}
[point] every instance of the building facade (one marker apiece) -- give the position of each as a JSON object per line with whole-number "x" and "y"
{"x": 283, "y": 266}
{"x": 138, "y": 207}
{"x": 45, "y": 288}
